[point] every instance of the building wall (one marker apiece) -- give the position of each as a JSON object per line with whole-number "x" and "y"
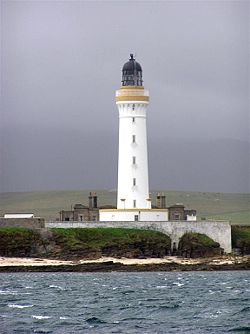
{"x": 176, "y": 213}
{"x": 218, "y": 231}
{"x": 22, "y": 222}
{"x": 133, "y": 215}
{"x": 80, "y": 215}
{"x": 191, "y": 218}
{"x": 19, "y": 215}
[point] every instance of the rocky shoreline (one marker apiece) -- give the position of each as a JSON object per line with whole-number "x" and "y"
{"x": 126, "y": 265}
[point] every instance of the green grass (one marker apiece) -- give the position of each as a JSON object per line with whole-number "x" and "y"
{"x": 197, "y": 240}
{"x": 236, "y": 218}
{"x": 224, "y": 206}
{"x": 112, "y": 242}
{"x": 101, "y": 236}
{"x": 16, "y": 230}
{"x": 198, "y": 245}
{"x": 85, "y": 243}
{"x": 15, "y": 241}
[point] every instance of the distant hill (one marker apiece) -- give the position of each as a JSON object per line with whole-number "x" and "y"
{"x": 229, "y": 206}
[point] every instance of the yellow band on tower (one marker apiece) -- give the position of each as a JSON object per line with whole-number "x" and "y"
{"x": 132, "y": 87}
{"x": 131, "y": 98}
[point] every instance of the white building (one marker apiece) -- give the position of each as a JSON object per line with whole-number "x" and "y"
{"x": 133, "y": 201}
{"x": 19, "y": 215}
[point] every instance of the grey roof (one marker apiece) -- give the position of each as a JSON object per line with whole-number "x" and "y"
{"x": 131, "y": 66}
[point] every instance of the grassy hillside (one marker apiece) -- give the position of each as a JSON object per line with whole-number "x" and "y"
{"x": 233, "y": 207}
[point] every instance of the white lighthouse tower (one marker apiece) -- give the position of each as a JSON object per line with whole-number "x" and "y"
{"x": 133, "y": 201}
{"x": 132, "y": 100}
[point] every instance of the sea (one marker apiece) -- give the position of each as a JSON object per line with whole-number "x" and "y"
{"x": 154, "y": 302}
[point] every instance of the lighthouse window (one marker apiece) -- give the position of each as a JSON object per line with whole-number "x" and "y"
{"x": 133, "y": 138}
{"x": 134, "y": 182}
{"x": 133, "y": 119}
{"x": 134, "y": 160}
{"x": 134, "y": 203}
{"x": 133, "y": 106}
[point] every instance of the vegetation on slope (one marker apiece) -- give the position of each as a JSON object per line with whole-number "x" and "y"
{"x": 16, "y": 241}
{"x": 198, "y": 245}
{"x": 83, "y": 243}
{"x": 241, "y": 238}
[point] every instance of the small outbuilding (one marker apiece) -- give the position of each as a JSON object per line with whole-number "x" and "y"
{"x": 177, "y": 212}
{"x": 81, "y": 212}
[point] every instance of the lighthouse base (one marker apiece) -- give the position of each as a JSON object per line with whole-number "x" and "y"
{"x": 109, "y": 215}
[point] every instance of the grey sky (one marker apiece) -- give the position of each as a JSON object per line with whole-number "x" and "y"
{"x": 61, "y": 65}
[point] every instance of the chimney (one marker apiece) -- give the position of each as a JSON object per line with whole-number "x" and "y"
{"x": 95, "y": 200}
{"x": 158, "y": 200}
{"x": 90, "y": 201}
{"x": 163, "y": 201}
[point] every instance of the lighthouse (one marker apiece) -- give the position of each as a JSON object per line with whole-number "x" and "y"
{"x": 133, "y": 200}
{"x": 132, "y": 101}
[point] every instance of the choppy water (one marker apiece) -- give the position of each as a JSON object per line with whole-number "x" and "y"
{"x": 185, "y": 302}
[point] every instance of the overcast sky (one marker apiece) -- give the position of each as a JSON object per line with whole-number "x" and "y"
{"x": 61, "y": 65}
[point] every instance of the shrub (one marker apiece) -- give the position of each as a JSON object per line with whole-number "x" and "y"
{"x": 198, "y": 245}
{"x": 241, "y": 238}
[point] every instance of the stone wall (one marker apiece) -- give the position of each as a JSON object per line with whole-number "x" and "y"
{"x": 22, "y": 222}
{"x": 218, "y": 231}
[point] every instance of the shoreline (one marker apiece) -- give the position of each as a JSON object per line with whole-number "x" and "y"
{"x": 107, "y": 264}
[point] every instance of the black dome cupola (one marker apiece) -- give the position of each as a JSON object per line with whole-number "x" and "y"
{"x": 131, "y": 73}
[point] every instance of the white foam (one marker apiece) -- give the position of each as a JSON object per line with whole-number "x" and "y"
{"x": 63, "y": 318}
{"x": 178, "y": 284}
{"x": 56, "y": 287}
{"x": 19, "y": 306}
{"x": 2, "y": 292}
{"x": 40, "y": 317}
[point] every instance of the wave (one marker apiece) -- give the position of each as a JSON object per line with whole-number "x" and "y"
{"x": 40, "y": 317}
{"x": 95, "y": 320}
{"x": 152, "y": 299}
{"x": 245, "y": 309}
{"x": 126, "y": 292}
{"x": 3, "y": 292}
{"x": 168, "y": 306}
{"x": 241, "y": 299}
{"x": 42, "y": 331}
{"x": 134, "y": 318}
{"x": 56, "y": 287}
{"x": 19, "y": 306}
{"x": 242, "y": 329}
{"x": 178, "y": 284}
